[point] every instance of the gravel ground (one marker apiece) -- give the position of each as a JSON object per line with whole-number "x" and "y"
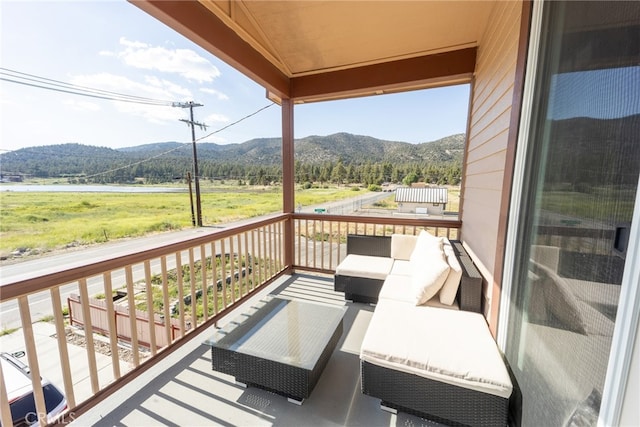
{"x": 101, "y": 346}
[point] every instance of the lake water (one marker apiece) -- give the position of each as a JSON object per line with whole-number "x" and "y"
{"x": 88, "y": 188}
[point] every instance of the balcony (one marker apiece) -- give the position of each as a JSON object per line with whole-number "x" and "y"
{"x": 292, "y": 255}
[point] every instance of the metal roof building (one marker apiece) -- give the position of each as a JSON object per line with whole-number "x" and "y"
{"x": 421, "y": 195}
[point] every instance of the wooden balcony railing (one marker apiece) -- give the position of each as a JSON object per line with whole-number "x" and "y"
{"x": 147, "y": 299}
{"x": 320, "y": 240}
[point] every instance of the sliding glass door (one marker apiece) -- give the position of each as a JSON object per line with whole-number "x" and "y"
{"x": 580, "y": 181}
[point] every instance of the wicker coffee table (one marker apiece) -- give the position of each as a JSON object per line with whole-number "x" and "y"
{"x": 280, "y": 345}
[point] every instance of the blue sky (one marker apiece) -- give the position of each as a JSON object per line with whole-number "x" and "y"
{"x": 114, "y": 46}
{"x": 603, "y": 94}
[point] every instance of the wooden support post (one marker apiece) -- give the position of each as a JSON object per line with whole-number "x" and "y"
{"x": 288, "y": 181}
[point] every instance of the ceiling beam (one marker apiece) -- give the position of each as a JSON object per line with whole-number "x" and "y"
{"x": 430, "y": 70}
{"x": 200, "y": 25}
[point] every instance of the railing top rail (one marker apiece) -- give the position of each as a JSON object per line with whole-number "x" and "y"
{"x": 410, "y": 222}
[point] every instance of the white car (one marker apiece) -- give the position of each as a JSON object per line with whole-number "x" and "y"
{"x": 17, "y": 377}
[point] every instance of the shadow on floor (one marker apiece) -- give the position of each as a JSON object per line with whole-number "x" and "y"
{"x": 189, "y": 392}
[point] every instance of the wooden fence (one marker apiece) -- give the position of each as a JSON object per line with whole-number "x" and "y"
{"x": 100, "y": 322}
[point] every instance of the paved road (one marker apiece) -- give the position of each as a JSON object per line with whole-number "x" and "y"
{"x": 40, "y": 304}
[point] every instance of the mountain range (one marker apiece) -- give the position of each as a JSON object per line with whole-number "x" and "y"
{"x": 314, "y": 149}
{"x": 75, "y": 158}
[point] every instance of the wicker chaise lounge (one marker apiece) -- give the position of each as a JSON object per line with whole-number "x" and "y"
{"x": 430, "y": 354}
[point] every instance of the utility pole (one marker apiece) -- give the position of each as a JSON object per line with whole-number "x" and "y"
{"x": 196, "y": 175}
{"x": 193, "y": 215}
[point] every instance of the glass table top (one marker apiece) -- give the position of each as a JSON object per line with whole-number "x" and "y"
{"x": 288, "y": 331}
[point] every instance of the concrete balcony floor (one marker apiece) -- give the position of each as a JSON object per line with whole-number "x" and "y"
{"x": 183, "y": 390}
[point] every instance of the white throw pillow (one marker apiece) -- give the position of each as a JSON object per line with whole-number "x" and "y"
{"x": 427, "y": 276}
{"x": 451, "y": 284}
{"x": 402, "y": 246}
{"x": 426, "y": 242}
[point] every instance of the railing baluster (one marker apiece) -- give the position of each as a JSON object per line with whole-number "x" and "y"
{"x": 298, "y": 259}
{"x": 330, "y": 245}
{"x": 339, "y": 244}
{"x": 321, "y": 244}
{"x": 111, "y": 321}
{"x": 88, "y": 335}
{"x": 223, "y": 272}
{"x": 262, "y": 248}
{"x": 192, "y": 289}
{"x": 151, "y": 316}
{"x": 240, "y": 262}
{"x": 253, "y": 259}
{"x": 214, "y": 277}
{"x": 32, "y": 356}
{"x": 205, "y": 287}
{"x": 314, "y": 235}
{"x": 168, "y": 327}
{"x": 279, "y": 249}
{"x": 247, "y": 263}
{"x": 306, "y": 245}
{"x": 179, "y": 277}
{"x": 133, "y": 324}
{"x": 274, "y": 248}
{"x": 63, "y": 350}
{"x": 271, "y": 254}
{"x": 232, "y": 270}
{"x": 5, "y": 409}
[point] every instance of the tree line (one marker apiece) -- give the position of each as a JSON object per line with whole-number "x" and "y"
{"x": 367, "y": 174}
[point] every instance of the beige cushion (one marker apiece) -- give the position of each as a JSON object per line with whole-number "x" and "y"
{"x": 429, "y": 270}
{"x": 428, "y": 240}
{"x": 401, "y": 268}
{"x": 450, "y": 287}
{"x": 426, "y": 245}
{"x": 372, "y": 267}
{"x": 455, "y": 347}
{"x": 402, "y": 246}
{"x": 398, "y": 288}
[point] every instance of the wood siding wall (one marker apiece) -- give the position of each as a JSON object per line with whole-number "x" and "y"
{"x": 490, "y": 115}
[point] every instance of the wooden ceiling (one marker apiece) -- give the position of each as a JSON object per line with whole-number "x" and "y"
{"x": 315, "y": 50}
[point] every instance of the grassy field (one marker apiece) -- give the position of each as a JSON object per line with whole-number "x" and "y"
{"x": 614, "y": 206}
{"x": 49, "y": 221}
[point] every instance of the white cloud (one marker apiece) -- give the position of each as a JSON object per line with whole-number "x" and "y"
{"x": 219, "y": 118}
{"x": 184, "y": 62}
{"x": 169, "y": 87}
{"x": 152, "y": 87}
{"x": 221, "y": 96}
{"x": 151, "y": 113}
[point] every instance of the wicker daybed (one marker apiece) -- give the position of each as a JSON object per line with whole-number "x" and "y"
{"x": 429, "y": 353}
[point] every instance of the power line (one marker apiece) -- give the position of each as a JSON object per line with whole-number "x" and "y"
{"x": 58, "y": 86}
{"x": 136, "y": 163}
{"x": 236, "y": 122}
{"x": 71, "y": 85}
